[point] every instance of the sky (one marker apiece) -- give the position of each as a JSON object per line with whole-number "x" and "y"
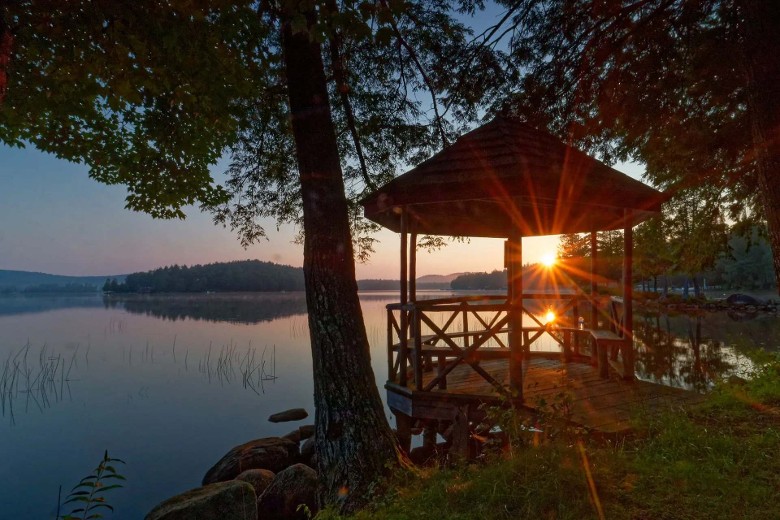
{"x": 55, "y": 219}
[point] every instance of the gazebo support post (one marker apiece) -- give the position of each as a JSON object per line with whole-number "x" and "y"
{"x": 628, "y": 296}
{"x": 515, "y": 288}
{"x": 594, "y": 288}
{"x": 404, "y": 343}
{"x": 416, "y": 321}
{"x": 413, "y": 261}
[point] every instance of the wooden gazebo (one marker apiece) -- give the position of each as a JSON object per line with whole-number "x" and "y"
{"x": 506, "y": 180}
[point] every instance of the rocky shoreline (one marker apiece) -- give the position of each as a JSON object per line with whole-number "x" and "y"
{"x": 272, "y": 478}
{"x": 735, "y": 303}
{"x": 275, "y": 478}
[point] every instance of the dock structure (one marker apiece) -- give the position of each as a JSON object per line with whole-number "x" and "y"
{"x": 448, "y": 356}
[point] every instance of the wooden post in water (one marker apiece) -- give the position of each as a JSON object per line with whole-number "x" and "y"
{"x": 514, "y": 253}
{"x": 575, "y": 335}
{"x": 403, "y": 425}
{"x": 594, "y": 288}
{"x": 628, "y": 296}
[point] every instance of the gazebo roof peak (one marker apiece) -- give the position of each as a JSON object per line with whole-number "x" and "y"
{"x": 506, "y": 177}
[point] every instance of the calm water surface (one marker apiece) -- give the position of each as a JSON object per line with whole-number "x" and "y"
{"x": 170, "y": 383}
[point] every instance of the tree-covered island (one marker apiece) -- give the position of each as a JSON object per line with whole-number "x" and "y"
{"x": 248, "y": 275}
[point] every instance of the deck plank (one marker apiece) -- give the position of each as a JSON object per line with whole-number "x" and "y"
{"x": 605, "y": 405}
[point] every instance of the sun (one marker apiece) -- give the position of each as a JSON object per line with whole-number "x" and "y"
{"x": 549, "y": 316}
{"x": 548, "y": 259}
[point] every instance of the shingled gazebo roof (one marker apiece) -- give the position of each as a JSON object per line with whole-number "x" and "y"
{"x": 505, "y": 177}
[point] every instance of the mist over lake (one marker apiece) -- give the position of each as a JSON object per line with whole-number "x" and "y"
{"x": 169, "y": 383}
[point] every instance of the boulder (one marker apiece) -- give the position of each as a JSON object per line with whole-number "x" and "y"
{"x": 307, "y": 430}
{"x": 742, "y": 299}
{"x": 301, "y": 434}
{"x": 271, "y": 453}
{"x": 259, "y": 478}
{"x": 736, "y": 380}
{"x": 293, "y": 414}
{"x": 233, "y": 500}
{"x": 307, "y": 450}
{"x": 294, "y": 436}
{"x": 293, "y": 487}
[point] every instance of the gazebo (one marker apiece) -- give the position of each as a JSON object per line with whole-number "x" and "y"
{"x": 506, "y": 180}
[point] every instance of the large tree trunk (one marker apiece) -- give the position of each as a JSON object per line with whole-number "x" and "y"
{"x": 761, "y": 30}
{"x": 354, "y": 443}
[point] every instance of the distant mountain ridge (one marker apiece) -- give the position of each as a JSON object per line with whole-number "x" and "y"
{"x": 31, "y": 281}
{"x": 438, "y": 278}
{"x": 20, "y": 280}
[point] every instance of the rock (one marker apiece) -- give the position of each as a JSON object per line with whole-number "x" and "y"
{"x": 742, "y": 299}
{"x": 259, "y": 478}
{"x": 293, "y": 414}
{"x": 307, "y": 450}
{"x": 307, "y": 430}
{"x": 294, "y": 436}
{"x": 290, "y": 488}
{"x": 271, "y": 453}
{"x": 233, "y": 500}
{"x": 301, "y": 434}
{"x": 736, "y": 380}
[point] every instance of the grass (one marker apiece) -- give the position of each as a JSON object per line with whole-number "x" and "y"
{"x": 719, "y": 461}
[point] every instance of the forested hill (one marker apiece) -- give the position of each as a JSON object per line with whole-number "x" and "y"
{"x": 31, "y": 282}
{"x": 248, "y": 275}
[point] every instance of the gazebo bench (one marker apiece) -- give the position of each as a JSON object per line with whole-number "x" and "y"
{"x": 603, "y": 340}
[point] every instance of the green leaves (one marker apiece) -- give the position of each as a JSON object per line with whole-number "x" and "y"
{"x": 150, "y": 95}
{"x": 147, "y": 95}
{"x": 89, "y": 493}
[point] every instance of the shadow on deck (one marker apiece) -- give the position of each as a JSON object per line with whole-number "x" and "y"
{"x": 603, "y": 405}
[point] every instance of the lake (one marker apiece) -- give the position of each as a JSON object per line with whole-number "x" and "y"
{"x": 170, "y": 383}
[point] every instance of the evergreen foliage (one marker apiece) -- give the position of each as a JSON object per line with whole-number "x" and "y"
{"x": 685, "y": 244}
{"x": 249, "y": 275}
{"x": 480, "y": 281}
{"x": 689, "y": 88}
{"x": 748, "y": 265}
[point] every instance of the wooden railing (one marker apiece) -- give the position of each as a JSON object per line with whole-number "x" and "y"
{"x": 467, "y": 329}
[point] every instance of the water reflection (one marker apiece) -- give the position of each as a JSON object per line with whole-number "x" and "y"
{"x": 171, "y": 382}
{"x": 247, "y": 308}
{"x": 12, "y": 305}
{"x": 695, "y": 351}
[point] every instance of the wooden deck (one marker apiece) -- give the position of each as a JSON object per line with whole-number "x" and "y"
{"x": 603, "y": 405}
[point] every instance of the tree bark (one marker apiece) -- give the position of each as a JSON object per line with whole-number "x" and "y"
{"x": 354, "y": 443}
{"x": 762, "y": 46}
